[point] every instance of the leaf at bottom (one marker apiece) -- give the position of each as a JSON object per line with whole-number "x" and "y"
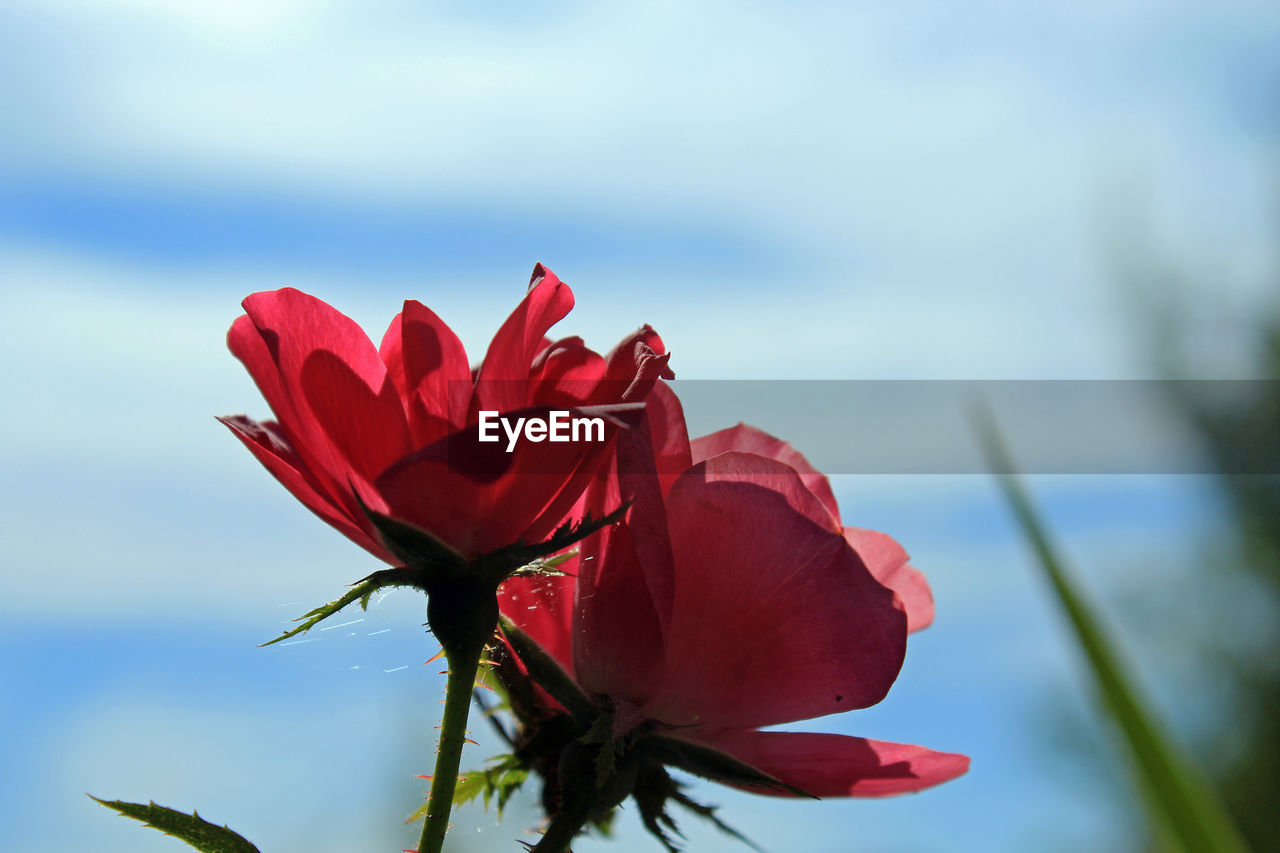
{"x": 191, "y": 828}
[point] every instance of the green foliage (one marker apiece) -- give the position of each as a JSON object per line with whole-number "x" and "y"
{"x": 1179, "y": 799}
{"x": 362, "y": 591}
{"x": 499, "y": 782}
{"x": 191, "y": 828}
{"x": 1246, "y": 438}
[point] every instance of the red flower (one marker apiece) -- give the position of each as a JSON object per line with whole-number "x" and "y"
{"x": 395, "y": 427}
{"x": 733, "y": 598}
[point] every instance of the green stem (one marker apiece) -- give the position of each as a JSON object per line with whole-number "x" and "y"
{"x": 463, "y": 665}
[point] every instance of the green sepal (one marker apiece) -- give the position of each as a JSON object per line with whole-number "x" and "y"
{"x": 545, "y": 567}
{"x": 433, "y": 559}
{"x": 711, "y": 763}
{"x": 604, "y": 822}
{"x": 513, "y": 685}
{"x": 191, "y": 828}
{"x": 506, "y": 560}
{"x": 361, "y": 590}
{"x": 709, "y": 813}
{"x": 545, "y": 671}
{"x": 412, "y": 545}
{"x": 490, "y": 712}
{"x": 601, "y": 733}
{"x": 654, "y": 788}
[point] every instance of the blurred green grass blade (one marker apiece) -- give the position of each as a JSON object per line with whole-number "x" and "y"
{"x": 1185, "y": 809}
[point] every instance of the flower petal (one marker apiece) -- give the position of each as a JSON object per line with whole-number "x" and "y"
{"x": 670, "y": 437}
{"x": 477, "y": 498}
{"x": 542, "y": 606}
{"x": 621, "y": 359}
{"x": 347, "y": 412}
{"x": 367, "y": 427}
{"x": 246, "y": 344}
{"x": 429, "y": 366}
{"x": 774, "y": 618}
{"x": 886, "y": 559}
{"x": 633, "y": 366}
{"x": 617, "y": 647}
{"x": 567, "y": 372}
{"x": 503, "y": 381}
{"x": 841, "y": 766}
{"x": 772, "y": 474}
{"x": 271, "y": 448}
{"x": 314, "y": 454}
{"x": 617, "y": 632}
{"x": 751, "y": 440}
{"x": 636, "y": 480}
{"x": 620, "y": 419}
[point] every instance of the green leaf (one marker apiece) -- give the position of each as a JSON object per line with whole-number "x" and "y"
{"x": 506, "y": 786}
{"x": 191, "y": 828}
{"x": 471, "y": 784}
{"x": 362, "y": 590}
{"x": 500, "y": 781}
{"x": 1179, "y": 798}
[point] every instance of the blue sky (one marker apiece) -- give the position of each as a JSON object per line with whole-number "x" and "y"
{"x": 813, "y": 190}
{"x": 194, "y": 227}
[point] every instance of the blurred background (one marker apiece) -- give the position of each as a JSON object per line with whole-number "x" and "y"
{"x": 805, "y": 190}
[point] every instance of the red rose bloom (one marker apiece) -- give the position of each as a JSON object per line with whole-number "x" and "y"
{"x": 733, "y": 598}
{"x": 394, "y": 427}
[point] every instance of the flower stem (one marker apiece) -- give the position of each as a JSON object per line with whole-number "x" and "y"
{"x": 463, "y": 664}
